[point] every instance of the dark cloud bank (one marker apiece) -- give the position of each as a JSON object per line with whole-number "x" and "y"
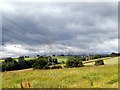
{"x": 41, "y": 28}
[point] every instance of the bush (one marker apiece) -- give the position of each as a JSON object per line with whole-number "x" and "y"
{"x": 21, "y": 58}
{"x": 8, "y": 59}
{"x": 23, "y": 64}
{"x": 3, "y": 66}
{"x": 55, "y": 60}
{"x": 49, "y": 59}
{"x": 13, "y": 65}
{"x": 41, "y": 57}
{"x": 83, "y": 59}
{"x": 63, "y": 62}
{"x": 113, "y": 54}
{"x": 30, "y": 63}
{"x": 39, "y": 64}
{"x": 99, "y": 62}
{"x": 74, "y": 62}
{"x": 46, "y": 67}
{"x": 65, "y": 67}
{"x": 56, "y": 67}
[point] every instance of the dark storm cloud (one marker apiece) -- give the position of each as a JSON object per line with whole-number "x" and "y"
{"x": 80, "y": 25}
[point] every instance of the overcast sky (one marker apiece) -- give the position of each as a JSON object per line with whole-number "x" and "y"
{"x": 56, "y": 28}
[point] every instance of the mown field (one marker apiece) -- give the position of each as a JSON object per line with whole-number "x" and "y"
{"x": 89, "y": 76}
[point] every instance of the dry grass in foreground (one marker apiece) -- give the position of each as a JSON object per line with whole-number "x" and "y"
{"x": 105, "y": 76}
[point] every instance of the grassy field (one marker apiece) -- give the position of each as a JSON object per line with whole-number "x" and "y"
{"x": 61, "y": 58}
{"x": 105, "y": 76}
{"x": 85, "y": 77}
{"x": 108, "y": 60}
{"x": 1, "y": 60}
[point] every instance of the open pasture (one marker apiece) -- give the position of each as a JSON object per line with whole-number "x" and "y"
{"x": 105, "y": 76}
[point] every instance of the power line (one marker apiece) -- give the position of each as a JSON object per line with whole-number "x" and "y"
{"x": 11, "y": 35}
{"x": 47, "y": 38}
{"x": 14, "y": 23}
{"x": 23, "y": 29}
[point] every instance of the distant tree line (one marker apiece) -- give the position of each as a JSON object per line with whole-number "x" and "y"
{"x": 47, "y": 62}
{"x": 38, "y": 63}
{"x": 114, "y": 54}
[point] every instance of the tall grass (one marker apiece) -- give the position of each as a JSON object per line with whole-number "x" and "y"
{"x": 84, "y": 77}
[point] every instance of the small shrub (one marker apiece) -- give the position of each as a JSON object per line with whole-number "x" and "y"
{"x": 56, "y": 67}
{"x": 99, "y": 62}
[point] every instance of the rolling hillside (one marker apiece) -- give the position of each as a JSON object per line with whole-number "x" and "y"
{"x": 105, "y": 76}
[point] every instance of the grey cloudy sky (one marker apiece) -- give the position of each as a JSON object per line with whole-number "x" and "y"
{"x": 68, "y": 27}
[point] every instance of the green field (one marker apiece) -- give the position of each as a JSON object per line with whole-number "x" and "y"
{"x": 105, "y": 76}
{"x": 1, "y": 60}
{"x": 108, "y": 60}
{"x": 61, "y": 58}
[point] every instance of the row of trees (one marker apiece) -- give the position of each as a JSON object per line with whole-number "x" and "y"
{"x": 11, "y": 64}
{"x": 42, "y": 62}
{"x": 38, "y": 63}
